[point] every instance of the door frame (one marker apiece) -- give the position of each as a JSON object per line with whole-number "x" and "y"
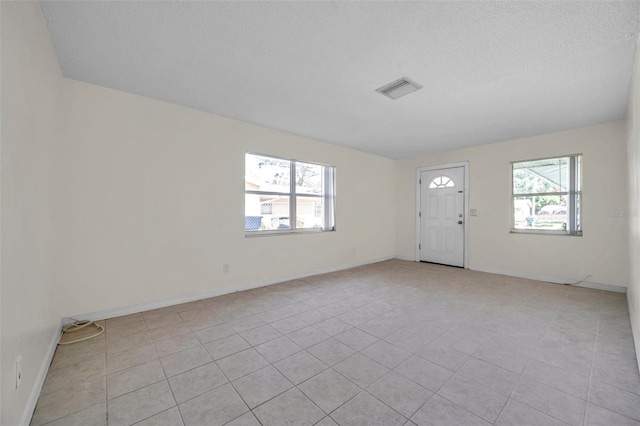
{"x": 419, "y": 170}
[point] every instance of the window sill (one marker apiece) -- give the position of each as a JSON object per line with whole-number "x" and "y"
{"x": 541, "y": 232}
{"x": 256, "y": 234}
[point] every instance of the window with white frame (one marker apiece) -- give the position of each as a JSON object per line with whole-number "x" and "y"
{"x": 546, "y": 195}
{"x": 287, "y": 196}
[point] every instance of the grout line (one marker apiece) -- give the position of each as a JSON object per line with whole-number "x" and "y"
{"x": 527, "y": 365}
{"x": 586, "y": 408}
{"x": 615, "y": 412}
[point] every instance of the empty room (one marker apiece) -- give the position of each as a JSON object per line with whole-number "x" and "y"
{"x": 320, "y": 213}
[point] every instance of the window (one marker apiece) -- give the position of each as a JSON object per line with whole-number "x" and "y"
{"x": 278, "y": 189}
{"x": 441, "y": 182}
{"x": 546, "y": 195}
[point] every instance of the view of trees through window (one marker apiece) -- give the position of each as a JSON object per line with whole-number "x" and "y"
{"x": 308, "y": 177}
{"x": 546, "y": 194}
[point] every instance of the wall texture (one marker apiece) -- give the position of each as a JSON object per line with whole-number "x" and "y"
{"x": 600, "y": 256}
{"x": 633, "y": 156}
{"x": 150, "y": 204}
{"x": 31, "y": 84}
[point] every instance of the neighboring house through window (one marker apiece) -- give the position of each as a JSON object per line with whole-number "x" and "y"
{"x": 278, "y": 189}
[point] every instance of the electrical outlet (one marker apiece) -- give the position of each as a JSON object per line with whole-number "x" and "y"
{"x": 225, "y": 268}
{"x": 18, "y": 371}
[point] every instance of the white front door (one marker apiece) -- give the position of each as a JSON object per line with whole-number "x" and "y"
{"x": 442, "y": 216}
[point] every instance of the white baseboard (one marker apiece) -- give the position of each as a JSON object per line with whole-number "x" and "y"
{"x": 601, "y": 286}
{"x": 555, "y": 280}
{"x": 635, "y": 330}
{"x": 407, "y": 258}
{"x": 40, "y": 378}
{"x": 117, "y": 312}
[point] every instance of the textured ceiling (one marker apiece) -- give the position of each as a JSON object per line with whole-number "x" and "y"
{"x": 491, "y": 71}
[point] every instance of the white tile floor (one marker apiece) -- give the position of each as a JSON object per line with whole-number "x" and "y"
{"x": 394, "y": 343}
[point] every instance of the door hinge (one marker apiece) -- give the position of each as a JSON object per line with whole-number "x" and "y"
{"x": 419, "y": 214}
{"x": 419, "y": 246}
{"x": 420, "y": 181}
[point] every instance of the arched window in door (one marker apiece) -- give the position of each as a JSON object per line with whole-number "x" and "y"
{"x": 441, "y": 182}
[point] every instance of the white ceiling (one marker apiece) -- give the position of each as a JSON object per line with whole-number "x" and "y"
{"x": 491, "y": 71}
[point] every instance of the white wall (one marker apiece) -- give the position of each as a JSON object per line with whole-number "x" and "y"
{"x": 31, "y": 82}
{"x": 633, "y": 155}
{"x": 111, "y": 200}
{"x": 150, "y": 204}
{"x": 600, "y": 253}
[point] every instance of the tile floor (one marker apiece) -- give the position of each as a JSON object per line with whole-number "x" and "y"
{"x": 393, "y": 343}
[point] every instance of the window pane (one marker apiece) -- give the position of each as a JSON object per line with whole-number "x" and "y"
{"x": 271, "y": 182}
{"x": 266, "y": 174}
{"x": 578, "y": 160}
{"x": 266, "y": 212}
{"x": 308, "y": 178}
{"x": 578, "y": 213}
{"x": 441, "y": 182}
{"x": 540, "y": 176}
{"x": 541, "y": 212}
{"x": 309, "y": 212}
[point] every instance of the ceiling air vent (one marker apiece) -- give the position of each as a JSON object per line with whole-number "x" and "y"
{"x": 399, "y": 88}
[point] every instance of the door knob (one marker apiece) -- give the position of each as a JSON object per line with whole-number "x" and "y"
{"x": 459, "y": 222}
